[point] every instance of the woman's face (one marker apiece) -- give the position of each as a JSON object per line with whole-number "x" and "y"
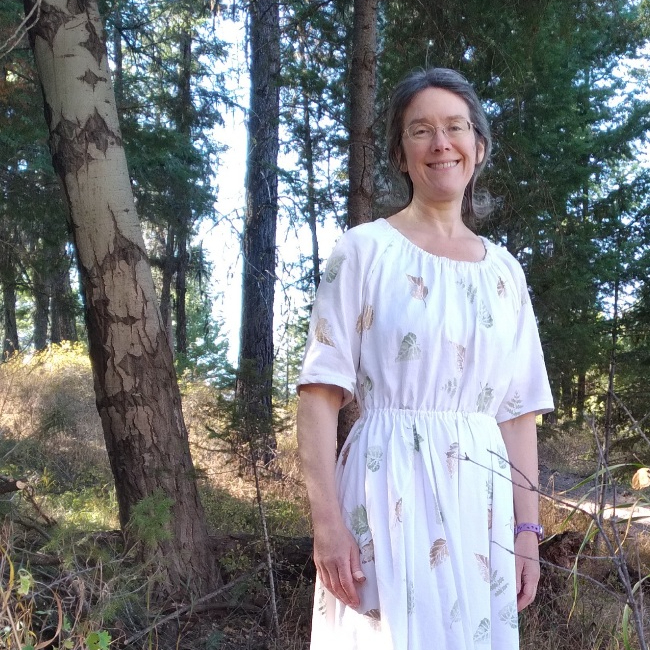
{"x": 441, "y": 167}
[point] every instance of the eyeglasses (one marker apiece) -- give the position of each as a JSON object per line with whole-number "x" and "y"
{"x": 454, "y": 130}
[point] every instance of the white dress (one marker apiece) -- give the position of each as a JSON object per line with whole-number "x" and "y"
{"x": 437, "y": 352}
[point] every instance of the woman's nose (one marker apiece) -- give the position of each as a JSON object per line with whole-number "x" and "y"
{"x": 440, "y": 141}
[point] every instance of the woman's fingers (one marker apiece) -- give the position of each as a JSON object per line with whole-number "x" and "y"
{"x": 338, "y": 565}
{"x": 527, "y": 569}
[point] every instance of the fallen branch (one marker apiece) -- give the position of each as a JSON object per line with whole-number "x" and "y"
{"x": 188, "y": 608}
{"x": 8, "y": 485}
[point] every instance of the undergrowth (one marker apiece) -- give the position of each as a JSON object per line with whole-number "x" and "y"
{"x": 65, "y": 573}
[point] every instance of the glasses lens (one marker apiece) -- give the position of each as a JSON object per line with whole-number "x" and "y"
{"x": 453, "y": 129}
{"x": 457, "y": 128}
{"x": 420, "y": 131}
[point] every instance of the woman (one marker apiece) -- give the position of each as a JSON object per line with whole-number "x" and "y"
{"x": 416, "y": 540}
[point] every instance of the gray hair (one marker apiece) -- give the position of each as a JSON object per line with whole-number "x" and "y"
{"x": 476, "y": 205}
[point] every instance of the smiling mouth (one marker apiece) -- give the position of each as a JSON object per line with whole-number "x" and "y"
{"x": 443, "y": 165}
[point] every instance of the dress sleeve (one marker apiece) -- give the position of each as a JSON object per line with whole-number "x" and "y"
{"x": 529, "y": 390}
{"x": 334, "y": 340}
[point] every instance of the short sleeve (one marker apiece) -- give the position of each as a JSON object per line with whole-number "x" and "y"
{"x": 334, "y": 339}
{"x": 529, "y": 390}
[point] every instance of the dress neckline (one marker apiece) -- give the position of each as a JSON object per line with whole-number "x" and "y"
{"x": 398, "y": 234}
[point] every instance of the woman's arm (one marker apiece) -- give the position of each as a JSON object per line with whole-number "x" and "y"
{"x": 336, "y": 553}
{"x": 520, "y": 437}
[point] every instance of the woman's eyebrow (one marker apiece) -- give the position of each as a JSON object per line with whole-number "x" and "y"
{"x": 420, "y": 120}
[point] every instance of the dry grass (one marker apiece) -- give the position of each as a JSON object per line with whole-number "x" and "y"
{"x": 51, "y": 435}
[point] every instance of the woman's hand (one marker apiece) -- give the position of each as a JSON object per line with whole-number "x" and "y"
{"x": 336, "y": 556}
{"x": 526, "y": 567}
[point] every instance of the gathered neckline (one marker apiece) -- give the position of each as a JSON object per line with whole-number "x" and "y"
{"x": 398, "y": 234}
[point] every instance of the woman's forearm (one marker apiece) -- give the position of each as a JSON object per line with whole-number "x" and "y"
{"x": 520, "y": 437}
{"x": 317, "y": 420}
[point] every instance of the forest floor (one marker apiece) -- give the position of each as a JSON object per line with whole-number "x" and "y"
{"x": 51, "y": 435}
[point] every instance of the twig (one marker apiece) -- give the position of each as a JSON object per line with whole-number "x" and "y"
{"x": 188, "y": 608}
{"x": 32, "y": 526}
{"x": 267, "y": 545}
{"x": 24, "y": 27}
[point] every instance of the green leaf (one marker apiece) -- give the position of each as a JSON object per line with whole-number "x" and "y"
{"x": 98, "y": 640}
{"x": 409, "y": 350}
{"x": 25, "y": 582}
{"x": 359, "y": 521}
{"x": 333, "y": 268}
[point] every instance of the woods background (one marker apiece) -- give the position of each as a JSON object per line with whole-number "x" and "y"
{"x": 108, "y": 155}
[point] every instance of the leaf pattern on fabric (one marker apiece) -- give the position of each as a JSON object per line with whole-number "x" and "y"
{"x": 367, "y": 552}
{"x": 374, "y": 454}
{"x": 398, "y": 510}
{"x": 359, "y": 521}
{"x": 409, "y": 350}
{"x": 502, "y": 455}
{"x": 454, "y": 615}
{"x": 333, "y": 267}
{"x": 417, "y": 439}
{"x": 460, "y": 355}
{"x": 452, "y": 458}
{"x": 484, "y": 399}
{"x": 482, "y": 634}
{"x": 366, "y": 387}
{"x": 418, "y": 289}
{"x": 501, "y": 288}
{"x": 483, "y": 566}
{"x": 450, "y": 387}
{"x": 438, "y": 553}
{"x": 508, "y": 615}
{"x": 323, "y": 332}
{"x": 489, "y": 518}
{"x": 484, "y": 315}
{"x": 410, "y": 598}
{"x": 366, "y": 317}
{"x": 498, "y": 584}
{"x": 515, "y": 405}
{"x": 374, "y": 616}
{"x": 470, "y": 290}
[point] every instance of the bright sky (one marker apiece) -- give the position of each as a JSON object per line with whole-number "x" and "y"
{"x": 223, "y": 241}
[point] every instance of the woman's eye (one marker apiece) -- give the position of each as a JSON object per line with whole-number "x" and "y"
{"x": 421, "y": 131}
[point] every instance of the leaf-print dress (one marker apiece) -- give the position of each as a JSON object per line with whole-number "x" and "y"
{"x": 436, "y": 352}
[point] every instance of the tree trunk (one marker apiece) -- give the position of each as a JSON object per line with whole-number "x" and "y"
{"x": 135, "y": 384}
{"x": 363, "y": 66}
{"x": 361, "y": 160}
{"x": 168, "y": 266}
{"x": 254, "y": 382}
{"x": 184, "y": 120}
{"x": 64, "y": 304}
{"x": 308, "y": 156}
{"x": 41, "y": 293}
{"x": 10, "y": 344}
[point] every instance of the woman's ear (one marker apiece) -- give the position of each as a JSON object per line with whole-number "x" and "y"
{"x": 480, "y": 151}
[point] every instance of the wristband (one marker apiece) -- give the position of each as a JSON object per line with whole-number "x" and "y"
{"x": 533, "y": 528}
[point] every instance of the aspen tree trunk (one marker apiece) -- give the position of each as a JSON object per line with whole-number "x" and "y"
{"x": 254, "y": 382}
{"x": 135, "y": 384}
{"x": 361, "y": 157}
